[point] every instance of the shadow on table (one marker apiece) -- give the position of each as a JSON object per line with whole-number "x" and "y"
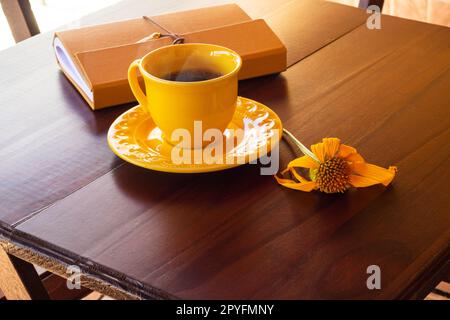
{"x": 141, "y": 184}
{"x": 97, "y": 121}
{"x": 238, "y": 189}
{"x": 257, "y": 88}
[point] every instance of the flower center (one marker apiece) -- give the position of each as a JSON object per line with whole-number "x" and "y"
{"x": 332, "y": 176}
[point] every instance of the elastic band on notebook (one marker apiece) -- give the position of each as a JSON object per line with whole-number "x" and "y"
{"x": 156, "y": 35}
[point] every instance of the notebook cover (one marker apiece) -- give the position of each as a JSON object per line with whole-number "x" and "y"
{"x": 295, "y": 23}
{"x": 261, "y": 51}
{"x": 130, "y": 31}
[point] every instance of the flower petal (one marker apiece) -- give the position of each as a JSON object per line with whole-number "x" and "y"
{"x": 303, "y": 162}
{"x": 298, "y": 176}
{"x": 331, "y": 146}
{"x": 307, "y": 186}
{"x": 319, "y": 150}
{"x": 303, "y": 185}
{"x": 372, "y": 172}
{"x": 327, "y": 149}
{"x": 360, "y": 181}
{"x": 282, "y": 180}
{"x": 355, "y": 158}
{"x": 345, "y": 151}
{"x": 349, "y": 154}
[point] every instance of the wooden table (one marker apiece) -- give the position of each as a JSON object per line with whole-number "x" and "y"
{"x": 67, "y": 200}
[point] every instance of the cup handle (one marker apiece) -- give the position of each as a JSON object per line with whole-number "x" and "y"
{"x": 134, "y": 84}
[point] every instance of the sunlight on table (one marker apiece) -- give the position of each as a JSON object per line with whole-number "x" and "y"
{"x": 51, "y": 14}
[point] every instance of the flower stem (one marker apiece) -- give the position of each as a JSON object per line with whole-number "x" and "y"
{"x": 300, "y": 145}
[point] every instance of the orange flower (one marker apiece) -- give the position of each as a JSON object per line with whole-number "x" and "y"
{"x": 333, "y": 167}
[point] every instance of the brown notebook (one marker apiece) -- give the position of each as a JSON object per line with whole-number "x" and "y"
{"x": 96, "y": 59}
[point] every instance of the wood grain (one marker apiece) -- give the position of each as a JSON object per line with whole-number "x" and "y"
{"x": 430, "y": 11}
{"x": 57, "y": 288}
{"x": 237, "y": 234}
{"x": 53, "y": 144}
{"x": 19, "y": 280}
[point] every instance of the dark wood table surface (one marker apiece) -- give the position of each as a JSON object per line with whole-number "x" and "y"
{"x": 66, "y": 199}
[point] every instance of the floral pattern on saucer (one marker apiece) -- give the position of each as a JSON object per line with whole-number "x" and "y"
{"x": 135, "y": 138}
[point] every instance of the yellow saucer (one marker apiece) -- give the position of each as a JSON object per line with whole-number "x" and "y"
{"x": 135, "y": 138}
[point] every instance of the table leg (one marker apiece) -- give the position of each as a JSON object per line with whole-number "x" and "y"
{"x": 19, "y": 279}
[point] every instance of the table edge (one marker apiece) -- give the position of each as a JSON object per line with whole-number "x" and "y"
{"x": 117, "y": 285}
{"x": 94, "y": 276}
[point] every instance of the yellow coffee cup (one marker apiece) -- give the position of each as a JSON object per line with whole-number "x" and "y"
{"x": 177, "y": 104}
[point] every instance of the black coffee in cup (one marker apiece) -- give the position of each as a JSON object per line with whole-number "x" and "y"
{"x": 192, "y": 75}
